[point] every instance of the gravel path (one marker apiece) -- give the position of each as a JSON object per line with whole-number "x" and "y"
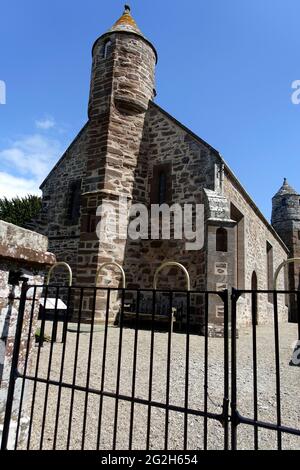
{"x": 290, "y": 380}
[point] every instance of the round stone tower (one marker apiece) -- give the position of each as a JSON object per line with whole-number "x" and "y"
{"x": 286, "y": 214}
{"x": 122, "y": 85}
{"x": 123, "y": 70}
{"x": 286, "y": 221}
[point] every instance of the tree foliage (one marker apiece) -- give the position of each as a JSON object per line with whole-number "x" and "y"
{"x": 20, "y": 211}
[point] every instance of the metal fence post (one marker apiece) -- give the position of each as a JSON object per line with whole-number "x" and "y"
{"x": 14, "y": 366}
{"x": 226, "y": 369}
{"x": 234, "y": 421}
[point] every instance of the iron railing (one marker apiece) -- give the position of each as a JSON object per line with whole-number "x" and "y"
{"x": 118, "y": 382}
{"x": 46, "y": 363}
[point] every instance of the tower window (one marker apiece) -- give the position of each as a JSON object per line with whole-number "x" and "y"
{"x": 221, "y": 240}
{"x": 106, "y": 49}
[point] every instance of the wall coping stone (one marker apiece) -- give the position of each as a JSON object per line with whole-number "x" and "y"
{"x": 16, "y": 243}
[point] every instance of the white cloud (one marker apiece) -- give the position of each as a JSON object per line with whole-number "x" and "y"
{"x": 11, "y": 186}
{"x": 33, "y": 155}
{"x": 27, "y": 162}
{"x": 45, "y": 124}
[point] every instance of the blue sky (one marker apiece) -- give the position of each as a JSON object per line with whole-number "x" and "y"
{"x": 225, "y": 71}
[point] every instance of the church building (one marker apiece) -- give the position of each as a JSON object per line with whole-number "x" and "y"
{"x": 131, "y": 147}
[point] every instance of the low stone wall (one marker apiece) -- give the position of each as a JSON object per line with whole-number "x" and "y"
{"x": 23, "y": 255}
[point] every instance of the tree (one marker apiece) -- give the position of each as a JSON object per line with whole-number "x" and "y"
{"x": 20, "y": 211}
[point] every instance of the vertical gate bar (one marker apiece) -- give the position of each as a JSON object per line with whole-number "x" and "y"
{"x": 40, "y": 345}
{"x": 298, "y": 314}
{"x": 234, "y": 423}
{"x": 277, "y": 364}
{"x": 254, "y": 347}
{"x": 226, "y": 368}
{"x": 54, "y": 327}
{"x": 14, "y": 366}
{"x": 168, "y": 370}
{"x": 75, "y": 367}
{"x": 135, "y": 352}
{"x": 88, "y": 375}
{"x": 66, "y": 318}
{"x": 187, "y": 371}
{"x": 53, "y": 338}
{"x": 103, "y": 367}
{"x": 26, "y": 364}
{"x": 64, "y": 341}
{"x": 119, "y": 372}
{"x": 206, "y": 300}
{"x": 151, "y": 369}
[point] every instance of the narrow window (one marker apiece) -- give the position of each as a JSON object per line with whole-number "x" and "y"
{"x": 221, "y": 240}
{"x": 92, "y": 223}
{"x": 161, "y": 184}
{"x": 107, "y": 49}
{"x": 270, "y": 273}
{"x": 74, "y": 201}
{"x": 162, "y": 188}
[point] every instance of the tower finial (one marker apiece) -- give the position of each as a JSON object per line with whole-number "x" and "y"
{"x": 127, "y": 8}
{"x": 285, "y": 181}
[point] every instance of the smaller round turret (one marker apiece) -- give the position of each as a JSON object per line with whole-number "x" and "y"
{"x": 286, "y": 221}
{"x": 285, "y": 206}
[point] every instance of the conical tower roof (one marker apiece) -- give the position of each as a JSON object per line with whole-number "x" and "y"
{"x": 126, "y": 23}
{"x": 285, "y": 189}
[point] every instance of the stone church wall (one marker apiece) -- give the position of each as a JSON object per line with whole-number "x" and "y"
{"x": 191, "y": 165}
{"x": 54, "y": 219}
{"x": 256, "y": 235}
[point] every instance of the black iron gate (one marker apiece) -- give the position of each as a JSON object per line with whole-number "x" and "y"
{"x": 276, "y": 425}
{"x": 155, "y": 379}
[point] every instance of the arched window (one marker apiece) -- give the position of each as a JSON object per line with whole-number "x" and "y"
{"x": 221, "y": 240}
{"x": 107, "y": 49}
{"x": 162, "y": 188}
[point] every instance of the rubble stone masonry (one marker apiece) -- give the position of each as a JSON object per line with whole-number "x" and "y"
{"x": 23, "y": 254}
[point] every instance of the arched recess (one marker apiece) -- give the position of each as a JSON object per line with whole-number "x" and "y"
{"x": 254, "y": 287}
{"x": 240, "y": 274}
